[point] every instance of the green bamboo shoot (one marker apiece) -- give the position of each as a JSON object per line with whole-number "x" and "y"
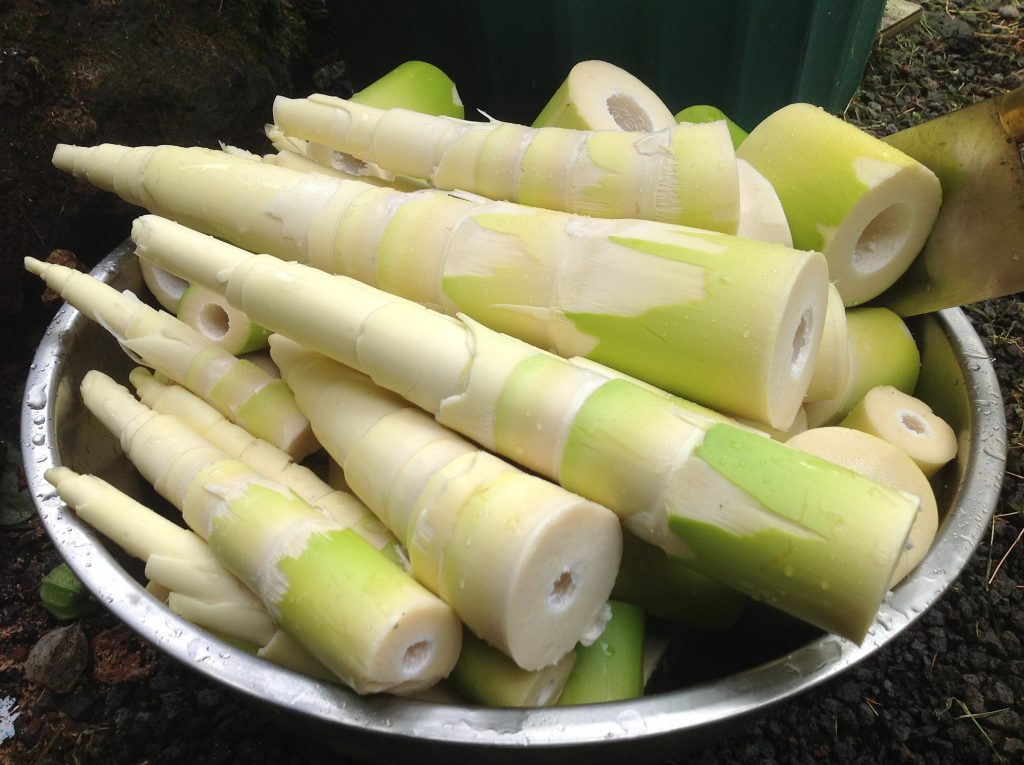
{"x": 485, "y": 675}
{"x": 708, "y": 113}
{"x": 238, "y": 389}
{"x": 731, "y": 323}
{"x": 866, "y": 206}
{"x": 880, "y": 461}
{"x": 612, "y": 667}
{"x": 414, "y": 85}
{"x": 813, "y": 539}
{"x": 177, "y": 560}
{"x": 668, "y": 588}
{"x": 526, "y": 565}
{"x": 685, "y": 174}
{"x": 265, "y": 458}
{"x": 357, "y": 612}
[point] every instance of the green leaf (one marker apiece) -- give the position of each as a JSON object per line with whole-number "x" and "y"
{"x": 64, "y": 595}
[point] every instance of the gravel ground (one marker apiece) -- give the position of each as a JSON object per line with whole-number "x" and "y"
{"x": 950, "y": 689}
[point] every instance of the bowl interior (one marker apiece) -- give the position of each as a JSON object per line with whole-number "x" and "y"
{"x": 705, "y": 684}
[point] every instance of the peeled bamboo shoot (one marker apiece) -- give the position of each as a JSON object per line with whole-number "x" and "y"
{"x": 685, "y": 174}
{"x": 813, "y": 539}
{"x": 728, "y": 322}
{"x": 526, "y": 565}
{"x": 414, "y": 85}
{"x": 907, "y": 423}
{"x": 265, "y": 458}
{"x": 239, "y": 389}
{"x": 330, "y": 590}
{"x": 177, "y": 560}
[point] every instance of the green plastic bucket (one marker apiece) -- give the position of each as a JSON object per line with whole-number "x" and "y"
{"x": 507, "y": 58}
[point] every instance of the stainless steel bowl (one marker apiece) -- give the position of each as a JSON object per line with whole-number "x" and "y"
{"x": 687, "y": 711}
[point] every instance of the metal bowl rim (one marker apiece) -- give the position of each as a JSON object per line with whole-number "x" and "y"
{"x": 674, "y": 713}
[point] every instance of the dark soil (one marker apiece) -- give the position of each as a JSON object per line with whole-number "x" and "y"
{"x": 950, "y": 689}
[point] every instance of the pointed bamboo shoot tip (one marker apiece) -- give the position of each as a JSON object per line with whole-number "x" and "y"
{"x": 56, "y": 475}
{"x": 65, "y": 156}
{"x": 140, "y": 378}
{"x": 141, "y": 228}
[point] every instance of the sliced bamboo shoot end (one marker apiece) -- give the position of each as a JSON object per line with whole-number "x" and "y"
{"x": 165, "y": 287}
{"x": 791, "y": 365}
{"x": 880, "y": 461}
{"x": 761, "y": 214}
{"x": 908, "y": 424}
{"x": 544, "y": 560}
{"x": 597, "y": 95}
{"x": 883, "y": 234}
{"x": 880, "y": 351}
{"x": 866, "y": 206}
{"x": 832, "y": 362}
{"x": 219, "y": 322}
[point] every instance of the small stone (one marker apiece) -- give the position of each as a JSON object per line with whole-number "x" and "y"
{"x": 1012, "y": 745}
{"x": 1009, "y": 12}
{"x": 1006, "y": 720}
{"x": 57, "y": 660}
{"x": 998, "y": 694}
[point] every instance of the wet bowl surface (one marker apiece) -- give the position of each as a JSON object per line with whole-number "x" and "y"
{"x": 706, "y": 685}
